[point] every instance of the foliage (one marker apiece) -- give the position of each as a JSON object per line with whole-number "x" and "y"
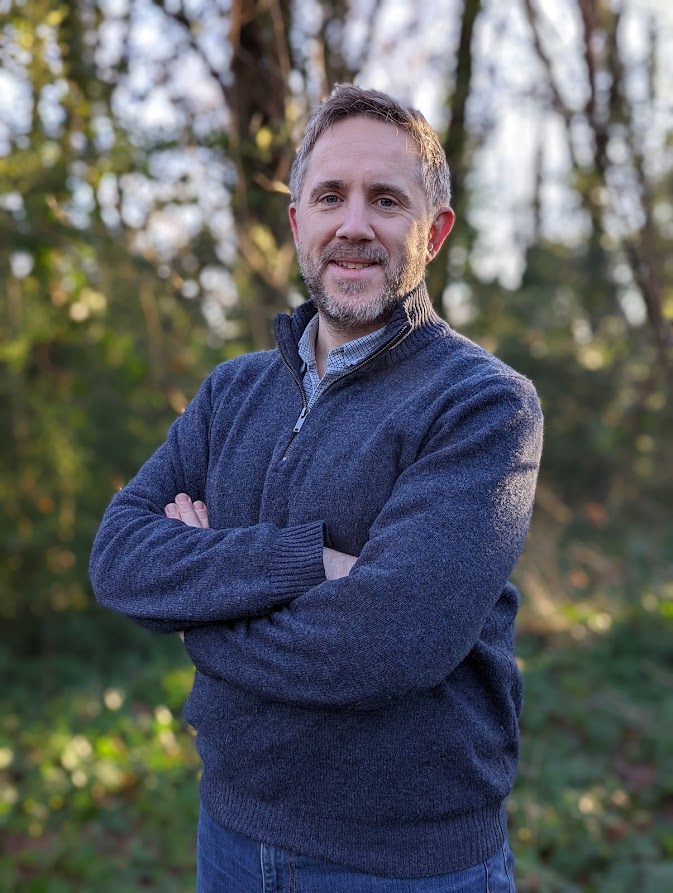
{"x": 95, "y": 351}
{"x": 591, "y": 807}
{"x": 99, "y": 774}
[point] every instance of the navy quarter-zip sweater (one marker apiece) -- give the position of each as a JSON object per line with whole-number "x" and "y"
{"x": 369, "y": 721}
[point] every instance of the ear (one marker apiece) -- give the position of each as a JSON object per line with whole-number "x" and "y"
{"x": 441, "y": 227}
{"x": 292, "y": 214}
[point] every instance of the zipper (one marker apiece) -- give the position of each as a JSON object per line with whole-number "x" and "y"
{"x": 389, "y": 345}
{"x": 304, "y": 405}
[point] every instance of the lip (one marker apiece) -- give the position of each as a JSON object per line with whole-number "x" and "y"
{"x": 354, "y": 265}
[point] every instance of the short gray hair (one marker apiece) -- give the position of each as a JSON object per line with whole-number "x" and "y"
{"x": 348, "y": 101}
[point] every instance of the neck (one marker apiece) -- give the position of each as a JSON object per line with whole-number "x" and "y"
{"x": 331, "y": 334}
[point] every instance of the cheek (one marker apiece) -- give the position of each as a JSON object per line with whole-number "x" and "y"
{"x": 313, "y": 237}
{"x": 418, "y": 241}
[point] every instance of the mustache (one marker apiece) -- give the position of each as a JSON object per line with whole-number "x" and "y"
{"x": 371, "y": 254}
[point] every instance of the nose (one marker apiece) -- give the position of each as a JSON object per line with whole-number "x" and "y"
{"x": 355, "y": 224}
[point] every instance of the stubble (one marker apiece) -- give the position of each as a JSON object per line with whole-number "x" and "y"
{"x": 342, "y": 309}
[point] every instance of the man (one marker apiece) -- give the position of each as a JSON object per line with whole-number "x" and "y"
{"x": 344, "y": 595}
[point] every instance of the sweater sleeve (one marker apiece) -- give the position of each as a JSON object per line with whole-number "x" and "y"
{"x": 436, "y": 562}
{"x": 167, "y": 576}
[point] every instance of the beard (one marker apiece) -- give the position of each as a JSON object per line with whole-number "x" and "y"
{"x": 342, "y": 309}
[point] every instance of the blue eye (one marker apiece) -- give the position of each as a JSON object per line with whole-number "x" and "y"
{"x": 330, "y": 199}
{"x": 387, "y": 202}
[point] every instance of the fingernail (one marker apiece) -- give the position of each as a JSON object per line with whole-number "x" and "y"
{"x": 171, "y": 509}
{"x": 199, "y": 506}
{"x": 182, "y": 498}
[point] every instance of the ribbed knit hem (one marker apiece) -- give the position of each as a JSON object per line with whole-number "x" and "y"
{"x": 414, "y": 850}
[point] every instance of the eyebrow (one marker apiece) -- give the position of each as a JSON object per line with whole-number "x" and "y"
{"x": 397, "y": 191}
{"x": 326, "y": 186}
{"x": 339, "y": 185}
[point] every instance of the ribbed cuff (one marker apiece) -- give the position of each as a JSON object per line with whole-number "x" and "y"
{"x": 296, "y": 563}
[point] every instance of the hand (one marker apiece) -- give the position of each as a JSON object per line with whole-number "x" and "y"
{"x": 337, "y": 564}
{"x": 193, "y": 514}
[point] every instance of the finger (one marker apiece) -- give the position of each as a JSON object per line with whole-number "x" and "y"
{"x": 171, "y": 511}
{"x": 186, "y": 509}
{"x": 201, "y": 513}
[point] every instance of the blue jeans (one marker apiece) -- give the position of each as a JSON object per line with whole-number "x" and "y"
{"x": 230, "y": 863}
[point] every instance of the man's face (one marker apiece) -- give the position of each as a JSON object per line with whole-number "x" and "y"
{"x": 361, "y": 226}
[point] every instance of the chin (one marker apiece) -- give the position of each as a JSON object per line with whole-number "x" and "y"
{"x": 356, "y": 311}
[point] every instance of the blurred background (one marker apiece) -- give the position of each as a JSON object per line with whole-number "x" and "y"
{"x": 144, "y": 150}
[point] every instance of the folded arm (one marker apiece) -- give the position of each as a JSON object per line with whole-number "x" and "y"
{"x": 167, "y": 575}
{"x": 195, "y": 514}
{"x": 414, "y": 604}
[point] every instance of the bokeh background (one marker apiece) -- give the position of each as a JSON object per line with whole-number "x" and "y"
{"x": 144, "y": 151}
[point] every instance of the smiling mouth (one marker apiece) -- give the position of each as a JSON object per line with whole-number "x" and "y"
{"x": 347, "y": 265}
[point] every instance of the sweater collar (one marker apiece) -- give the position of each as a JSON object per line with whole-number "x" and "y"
{"x": 414, "y": 320}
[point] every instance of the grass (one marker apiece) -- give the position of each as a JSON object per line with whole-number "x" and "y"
{"x": 98, "y": 773}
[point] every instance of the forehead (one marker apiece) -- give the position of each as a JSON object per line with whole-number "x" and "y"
{"x": 367, "y": 149}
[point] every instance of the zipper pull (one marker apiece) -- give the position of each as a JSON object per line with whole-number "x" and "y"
{"x": 300, "y": 421}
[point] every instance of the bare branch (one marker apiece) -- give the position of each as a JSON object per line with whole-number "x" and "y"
{"x": 179, "y": 17}
{"x": 557, "y": 102}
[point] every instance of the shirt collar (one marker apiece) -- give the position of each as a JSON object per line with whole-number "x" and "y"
{"x": 349, "y": 354}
